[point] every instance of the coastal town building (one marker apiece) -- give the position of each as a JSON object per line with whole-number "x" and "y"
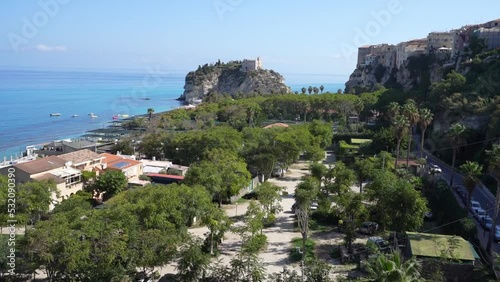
{"x": 84, "y": 160}
{"x": 67, "y": 179}
{"x": 131, "y": 168}
{"x": 373, "y": 54}
{"x": 154, "y": 166}
{"x": 251, "y": 65}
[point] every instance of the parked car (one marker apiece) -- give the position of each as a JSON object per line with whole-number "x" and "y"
{"x": 382, "y": 245}
{"x": 278, "y": 171}
{"x": 474, "y": 206}
{"x": 368, "y": 227}
{"x": 497, "y": 233}
{"x": 486, "y": 221}
{"x": 479, "y": 213}
{"x": 434, "y": 169}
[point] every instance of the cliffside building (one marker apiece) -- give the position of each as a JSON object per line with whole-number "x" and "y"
{"x": 251, "y": 65}
{"x": 490, "y": 35}
{"x": 408, "y": 49}
{"x": 376, "y": 54}
{"x": 440, "y": 40}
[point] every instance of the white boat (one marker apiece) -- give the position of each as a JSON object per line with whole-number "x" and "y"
{"x": 73, "y": 116}
{"x": 55, "y": 114}
{"x": 93, "y": 116}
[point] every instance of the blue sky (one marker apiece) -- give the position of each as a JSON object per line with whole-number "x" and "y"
{"x": 291, "y": 36}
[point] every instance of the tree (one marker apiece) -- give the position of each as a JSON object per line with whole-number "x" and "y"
{"x": 344, "y": 178}
{"x": 269, "y": 196}
{"x": 218, "y": 223}
{"x": 316, "y": 90}
{"x": 426, "y": 117}
{"x": 400, "y": 126}
{"x": 193, "y": 262}
{"x": 34, "y": 199}
{"x": 321, "y": 88}
{"x": 222, "y": 173}
{"x": 111, "y": 182}
{"x": 352, "y": 212}
{"x": 363, "y": 168}
{"x": 310, "y": 90}
{"x": 399, "y": 206}
{"x": 471, "y": 172}
{"x": 393, "y": 268}
{"x": 358, "y": 107}
{"x": 410, "y": 111}
{"x": 150, "y": 113}
{"x": 305, "y": 193}
{"x": 303, "y": 90}
{"x": 393, "y": 110}
{"x": 494, "y": 167}
{"x": 455, "y": 135}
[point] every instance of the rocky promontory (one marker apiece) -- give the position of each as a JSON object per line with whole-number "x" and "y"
{"x": 236, "y": 78}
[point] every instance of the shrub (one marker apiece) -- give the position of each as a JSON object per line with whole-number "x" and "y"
{"x": 295, "y": 255}
{"x": 254, "y": 244}
{"x": 270, "y": 220}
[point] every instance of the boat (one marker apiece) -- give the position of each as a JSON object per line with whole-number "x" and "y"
{"x": 74, "y": 116}
{"x": 123, "y": 116}
{"x": 55, "y": 114}
{"x": 115, "y": 117}
{"x": 93, "y": 116}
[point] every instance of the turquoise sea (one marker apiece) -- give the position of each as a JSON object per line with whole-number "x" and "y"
{"x": 29, "y": 96}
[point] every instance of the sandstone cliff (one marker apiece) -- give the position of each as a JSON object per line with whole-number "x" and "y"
{"x": 230, "y": 79}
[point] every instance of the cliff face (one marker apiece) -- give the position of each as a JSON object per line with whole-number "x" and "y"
{"x": 229, "y": 78}
{"x": 417, "y": 71}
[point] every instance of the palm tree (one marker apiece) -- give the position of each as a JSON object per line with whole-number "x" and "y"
{"x": 455, "y": 135}
{"x": 358, "y": 107}
{"x": 150, "y": 112}
{"x": 316, "y": 90}
{"x": 410, "y": 111}
{"x": 494, "y": 167}
{"x": 401, "y": 126}
{"x": 392, "y": 268}
{"x": 303, "y": 90}
{"x": 471, "y": 172}
{"x": 426, "y": 117}
{"x": 393, "y": 110}
{"x": 321, "y": 88}
{"x": 310, "y": 90}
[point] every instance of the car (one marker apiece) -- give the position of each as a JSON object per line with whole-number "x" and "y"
{"x": 368, "y": 227}
{"x": 486, "y": 221}
{"x": 428, "y": 215}
{"x": 497, "y": 233}
{"x": 474, "y": 206}
{"x": 479, "y": 213}
{"x": 433, "y": 169}
{"x": 381, "y": 244}
{"x": 278, "y": 171}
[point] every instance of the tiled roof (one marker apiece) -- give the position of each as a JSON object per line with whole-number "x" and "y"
{"x": 80, "y": 156}
{"x": 109, "y": 158}
{"x": 276, "y": 125}
{"x": 49, "y": 176}
{"x": 41, "y": 165}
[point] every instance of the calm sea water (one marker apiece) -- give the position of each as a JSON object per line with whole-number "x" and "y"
{"x": 28, "y": 97}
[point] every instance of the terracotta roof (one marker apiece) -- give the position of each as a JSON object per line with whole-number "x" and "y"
{"x": 109, "y": 158}
{"x": 49, "y": 176}
{"x": 122, "y": 164}
{"x": 276, "y": 125}
{"x": 41, "y": 165}
{"x": 81, "y": 156}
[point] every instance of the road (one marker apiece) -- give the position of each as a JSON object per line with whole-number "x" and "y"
{"x": 480, "y": 194}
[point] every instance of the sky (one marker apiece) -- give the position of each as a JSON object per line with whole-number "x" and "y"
{"x": 315, "y": 38}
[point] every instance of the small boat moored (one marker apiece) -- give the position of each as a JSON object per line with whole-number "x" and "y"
{"x": 55, "y": 114}
{"x": 74, "y": 116}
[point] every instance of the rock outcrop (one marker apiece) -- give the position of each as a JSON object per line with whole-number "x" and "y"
{"x": 230, "y": 78}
